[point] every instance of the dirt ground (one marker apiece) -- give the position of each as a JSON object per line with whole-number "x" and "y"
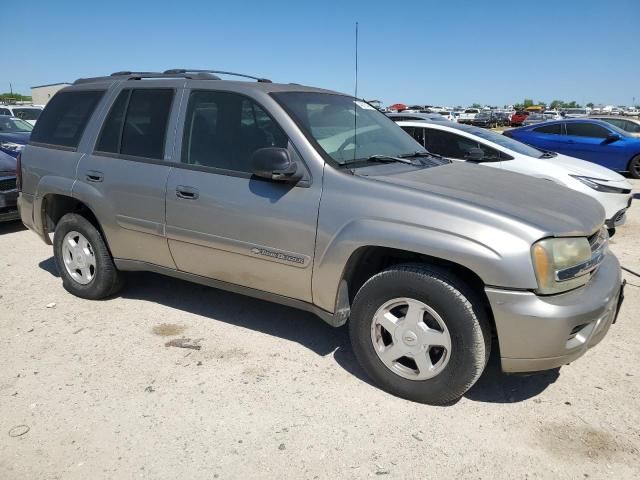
{"x": 88, "y": 390}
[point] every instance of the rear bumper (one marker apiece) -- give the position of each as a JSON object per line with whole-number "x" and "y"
{"x": 543, "y": 332}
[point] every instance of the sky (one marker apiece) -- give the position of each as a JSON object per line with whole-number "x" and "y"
{"x": 451, "y": 52}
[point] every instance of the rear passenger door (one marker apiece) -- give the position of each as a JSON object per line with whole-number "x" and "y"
{"x": 549, "y": 137}
{"x": 124, "y": 177}
{"x": 224, "y": 223}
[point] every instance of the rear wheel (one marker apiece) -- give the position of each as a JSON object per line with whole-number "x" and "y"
{"x": 417, "y": 334}
{"x": 634, "y": 167}
{"x": 83, "y": 259}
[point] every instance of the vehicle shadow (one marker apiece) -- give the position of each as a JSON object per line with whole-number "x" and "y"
{"x": 301, "y": 327}
{"x": 11, "y": 227}
{"x": 495, "y": 386}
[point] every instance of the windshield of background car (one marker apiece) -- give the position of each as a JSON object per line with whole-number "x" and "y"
{"x": 471, "y": 110}
{"x": 484, "y": 115}
{"x": 503, "y": 141}
{"x": 14, "y": 125}
{"x": 27, "y": 113}
{"x": 346, "y": 129}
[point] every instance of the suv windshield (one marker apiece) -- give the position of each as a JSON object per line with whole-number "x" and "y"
{"x": 346, "y": 129}
{"x": 13, "y": 125}
{"x": 27, "y": 113}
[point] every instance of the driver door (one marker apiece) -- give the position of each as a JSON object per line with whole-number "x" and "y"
{"x": 226, "y": 224}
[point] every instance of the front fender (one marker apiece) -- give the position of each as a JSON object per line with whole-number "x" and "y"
{"x": 502, "y": 262}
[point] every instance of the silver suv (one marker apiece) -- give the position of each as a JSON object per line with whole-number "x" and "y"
{"x": 316, "y": 200}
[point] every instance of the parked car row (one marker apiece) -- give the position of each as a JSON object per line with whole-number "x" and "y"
{"x": 316, "y": 200}
{"x": 470, "y": 144}
{"x": 28, "y": 113}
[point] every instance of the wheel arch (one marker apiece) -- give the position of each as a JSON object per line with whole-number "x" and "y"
{"x": 55, "y": 205}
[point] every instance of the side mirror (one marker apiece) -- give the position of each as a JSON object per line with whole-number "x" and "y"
{"x": 612, "y": 137}
{"x": 474, "y": 154}
{"x": 275, "y": 164}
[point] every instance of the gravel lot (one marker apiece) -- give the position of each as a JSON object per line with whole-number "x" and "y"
{"x": 274, "y": 392}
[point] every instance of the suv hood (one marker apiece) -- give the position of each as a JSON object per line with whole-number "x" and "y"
{"x": 586, "y": 169}
{"x": 540, "y": 203}
{"x": 7, "y": 163}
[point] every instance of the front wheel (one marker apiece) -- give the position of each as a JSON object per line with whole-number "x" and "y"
{"x": 634, "y": 167}
{"x": 417, "y": 334}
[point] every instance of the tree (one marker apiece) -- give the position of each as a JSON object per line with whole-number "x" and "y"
{"x": 476, "y": 105}
{"x": 14, "y": 96}
{"x": 590, "y": 105}
{"x": 527, "y": 103}
{"x": 556, "y": 104}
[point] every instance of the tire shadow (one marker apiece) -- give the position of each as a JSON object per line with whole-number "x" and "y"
{"x": 301, "y": 327}
{"x": 495, "y": 386}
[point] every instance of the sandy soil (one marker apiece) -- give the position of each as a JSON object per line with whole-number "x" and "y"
{"x": 275, "y": 393}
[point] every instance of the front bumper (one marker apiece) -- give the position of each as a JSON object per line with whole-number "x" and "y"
{"x": 8, "y": 202}
{"x": 544, "y": 332}
{"x": 620, "y": 216}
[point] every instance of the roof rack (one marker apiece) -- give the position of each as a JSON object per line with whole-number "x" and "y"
{"x": 178, "y": 71}
{"x": 173, "y": 73}
{"x": 127, "y": 75}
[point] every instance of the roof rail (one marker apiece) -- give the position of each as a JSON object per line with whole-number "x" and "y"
{"x": 177, "y": 71}
{"x": 127, "y": 75}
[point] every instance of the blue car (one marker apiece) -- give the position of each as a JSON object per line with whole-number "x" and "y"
{"x": 14, "y": 134}
{"x": 592, "y": 140}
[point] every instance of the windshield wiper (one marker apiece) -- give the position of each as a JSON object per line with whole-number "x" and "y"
{"x": 420, "y": 153}
{"x": 388, "y": 159}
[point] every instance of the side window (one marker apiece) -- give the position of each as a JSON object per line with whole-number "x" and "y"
{"x": 632, "y": 127}
{"x": 449, "y": 144}
{"x": 418, "y": 134}
{"x": 491, "y": 154}
{"x": 554, "y": 129}
{"x": 223, "y": 129}
{"x": 137, "y": 123}
{"x": 64, "y": 119}
{"x": 583, "y": 129}
{"x": 4, "y": 111}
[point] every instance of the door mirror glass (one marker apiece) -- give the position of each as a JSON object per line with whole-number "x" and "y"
{"x": 274, "y": 163}
{"x": 474, "y": 155}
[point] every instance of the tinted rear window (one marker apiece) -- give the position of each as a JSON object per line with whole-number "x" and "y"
{"x": 137, "y": 123}
{"x": 65, "y": 118}
{"x": 554, "y": 129}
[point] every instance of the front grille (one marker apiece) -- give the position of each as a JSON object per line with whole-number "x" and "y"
{"x": 7, "y": 184}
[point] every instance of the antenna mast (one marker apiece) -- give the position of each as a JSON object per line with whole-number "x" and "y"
{"x": 356, "y": 89}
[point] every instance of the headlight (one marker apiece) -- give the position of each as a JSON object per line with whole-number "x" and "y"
{"x": 12, "y": 147}
{"x": 562, "y": 264}
{"x": 593, "y": 183}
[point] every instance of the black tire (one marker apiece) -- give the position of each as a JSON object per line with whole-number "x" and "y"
{"x": 454, "y": 302}
{"x": 107, "y": 279}
{"x": 634, "y": 167}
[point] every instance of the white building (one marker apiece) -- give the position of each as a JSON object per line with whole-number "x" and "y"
{"x": 41, "y": 94}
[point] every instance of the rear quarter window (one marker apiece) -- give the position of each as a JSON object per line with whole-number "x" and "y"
{"x": 63, "y": 121}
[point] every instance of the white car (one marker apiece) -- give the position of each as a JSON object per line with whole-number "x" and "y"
{"x": 28, "y": 113}
{"x": 465, "y": 143}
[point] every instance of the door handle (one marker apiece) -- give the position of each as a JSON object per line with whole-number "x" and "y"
{"x": 188, "y": 193}
{"x": 94, "y": 176}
